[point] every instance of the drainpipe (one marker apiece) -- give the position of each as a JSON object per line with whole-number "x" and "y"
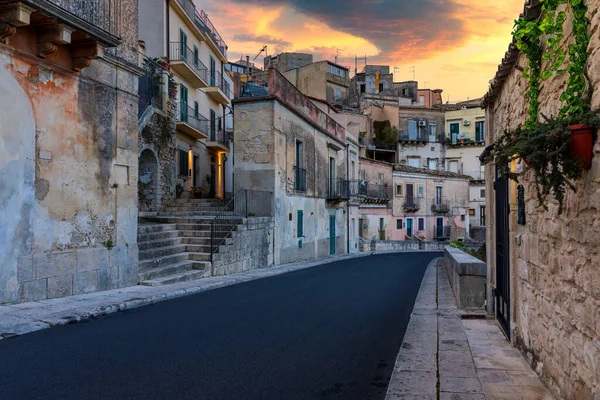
{"x": 168, "y": 2}
{"x": 348, "y": 202}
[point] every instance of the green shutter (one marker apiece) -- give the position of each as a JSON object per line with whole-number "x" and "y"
{"x": 300, "y": 223}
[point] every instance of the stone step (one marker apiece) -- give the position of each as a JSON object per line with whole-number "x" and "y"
{"x": 172, "y": 269}
{"x": 194, "y": 207}
{"x": 161, "y": 252}
{"x": 197, "y": 201}
{"x": 164, "y": 260}
{"x": 190, "y": 275}
{"x": 154, "y": 227}
{"x": 193, "y": 213}
{"x": 159, "y": 243}
{"x": 151, "y": 236}
{"x": 192, "y": 220}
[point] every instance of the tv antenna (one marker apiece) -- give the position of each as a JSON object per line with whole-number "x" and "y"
{"x": 413, "y": 69}
{"x": 396, "y": 69}
{"x": 338, "y": 52}
{"x": 260, "y": 52}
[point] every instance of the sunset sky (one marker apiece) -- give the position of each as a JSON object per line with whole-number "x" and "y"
{"x": 455, "y": 45}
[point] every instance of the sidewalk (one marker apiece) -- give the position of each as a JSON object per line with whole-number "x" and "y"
{"x": 448, "y": 358}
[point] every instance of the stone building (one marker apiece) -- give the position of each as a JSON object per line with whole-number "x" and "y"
{"x": 421, "y": 137}
{"x": 429, "y": 204}
{"x": 286, "y": 61}
{"x": 322, "y": 80}
{"x": 288, "y": 146}
{"x": 543, "y": 276}
{"x": 68, "y": 148}
{"x": 465, "y": 127}
{"x": 375, "y": 190}
{"x": 196, "y": 55}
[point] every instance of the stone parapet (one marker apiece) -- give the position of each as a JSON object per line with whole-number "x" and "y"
{"x": 467, "y": 277}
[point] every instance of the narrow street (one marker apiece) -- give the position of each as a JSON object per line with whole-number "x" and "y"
{"x": 330, "y": 332}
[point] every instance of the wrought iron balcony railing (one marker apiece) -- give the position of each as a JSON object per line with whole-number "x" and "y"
{"x": 382, "y": 192}
{"x": 179, "y": 52}
{"x": 299, "y": 179}
{"x": 411, "y": 204}
{"x": 191, "y": 117}
{"x": 440, "y": 207}
{"x": 203, "y": 23}
{"x": 149, "y": 86}
{"x": 217, "y": 80}
{"x": 441, "y": 232}
{"x": 338, "y": 189}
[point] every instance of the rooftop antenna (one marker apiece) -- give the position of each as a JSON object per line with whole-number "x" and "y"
{"x": 413, "y": 69}
{"x": 338, "y": 52}
{"x": 395, "y": 70}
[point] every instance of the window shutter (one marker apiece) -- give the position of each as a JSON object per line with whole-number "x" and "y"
{"x": 300, "y": 223}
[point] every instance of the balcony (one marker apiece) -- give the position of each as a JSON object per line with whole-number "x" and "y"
{"x": 464, "y": 140}
{"x": 411, "y": 205}
{"x": 299, "y": 179}
{"x": 440, "y": 207}
{"x": 217, "y": 140}
{"x": 185, "y": 64}
{"x": 338, "y": 189}
{"x": 191, "y": 123}
{"x": 420, "y": 137}
{"x": 441, "y": 232}
{"x": 198, "y": 19}
{"x": 374, "y": 194}
{"x": 150, "y": 86}
{"x": 85, "y": 27}
{"x": 218, "y": 89}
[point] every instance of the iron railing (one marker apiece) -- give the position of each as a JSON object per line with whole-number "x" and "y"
{"x": 219, "y": 137}
{"x": 440, "y": 207}
{"x": 375, "y": 191}
{"x": 194, "y": 119}
{"x": 338, "y": 189}
{"x": 203, "y": 23}
{"x": 179, "y": 52}
{"x": 216, "y": 79}
{"x": 354, "y": 187}
{"x": 149, "y": 86}
{"x": 244, "y": 204}
{"x": 411, "y": 204}
{"x": 422, "y": 136}
{"x": 299, "y": 179}
{"x": 441, "y": 232}
{"x": 103, "y": 14}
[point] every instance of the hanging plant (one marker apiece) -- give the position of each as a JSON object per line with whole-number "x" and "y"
{"x": 557, "y": 149}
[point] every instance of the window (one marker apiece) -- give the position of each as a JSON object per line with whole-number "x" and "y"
{"x": 413, "y": 162}
{"x": 300, "y": 223}
{"x": 462, "y": 217}
{"x": 482, "y": 215}
{"x": 196, "y": 56}
{"x": 338, "y": 94}
{"x": 213, "y": 125}
{"x": 421, "y": 191}
{"x": 183, "y": 163}
{"x": 334, "y": 69}
{"x": 183, "y": 103}
{"x": 432, "y": 129}
{"x": 182, "y": 45}
{"x": 399, "y": 224}
{"x": 363, "y": 87}
{"x": 196, "y": 110}
{"x": 432, "y": 163}
{"x": 482, "y": 193}
{"x": 405, "y": 92}
{"x": 398, "y": 190}
{"x": 438, "y": 195}
{"x": 412, "y": 129}
{"x": 421, "y": 224}
{"x": 422, "y": 100}
{"x": 471, "y": 211}
{"x": 300, "y": 173}
{"x": 454, "y": 130}
{"x": 479, "y": 131}
{"x": 219, "y": 124}
{"x": 213, "y": 71}
{"x": 453, "y": 166}
{"x": 380, "y": 87}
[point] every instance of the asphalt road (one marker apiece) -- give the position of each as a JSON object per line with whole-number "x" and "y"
{"x": 328, "y": 332}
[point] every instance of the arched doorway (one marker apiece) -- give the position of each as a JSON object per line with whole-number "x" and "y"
{"x": 148, "y": 181}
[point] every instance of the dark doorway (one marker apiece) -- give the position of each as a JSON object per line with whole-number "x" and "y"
{"x": 502, "y": 291}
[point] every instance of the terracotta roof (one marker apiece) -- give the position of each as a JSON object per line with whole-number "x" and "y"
{"x": 531, "y": 11}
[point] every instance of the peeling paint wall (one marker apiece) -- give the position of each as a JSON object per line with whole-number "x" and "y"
{"x": 68, "y": 156}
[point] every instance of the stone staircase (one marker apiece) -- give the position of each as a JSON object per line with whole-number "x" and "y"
{"x": 174, "y": 246}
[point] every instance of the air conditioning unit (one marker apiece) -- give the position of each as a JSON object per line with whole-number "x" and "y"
{"x": 466, "y": 122}
{"x": 422, "y": 123}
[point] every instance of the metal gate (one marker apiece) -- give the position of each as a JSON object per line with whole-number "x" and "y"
{"x": 502, "y": 291}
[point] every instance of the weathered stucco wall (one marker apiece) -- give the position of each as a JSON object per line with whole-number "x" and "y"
{"x": 68, "y": 156}
{"x": 555, "y": 259}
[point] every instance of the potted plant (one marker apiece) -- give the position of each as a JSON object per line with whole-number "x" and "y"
{"x": 196, "y": 192}
{"x": 162, "y": 61}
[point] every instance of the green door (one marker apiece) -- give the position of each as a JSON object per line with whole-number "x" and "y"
{"x": 332, "y": 234}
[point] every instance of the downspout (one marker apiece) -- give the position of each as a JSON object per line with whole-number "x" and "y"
{"x": 168, "y": 2}
{"x": 348, "y": 202}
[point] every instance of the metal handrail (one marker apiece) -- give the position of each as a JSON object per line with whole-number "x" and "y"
{"x": 179, "y": 52}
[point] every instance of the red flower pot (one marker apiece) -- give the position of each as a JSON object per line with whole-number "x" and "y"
{"x": 582, "y": 143}
{"x": 165, "y": 65}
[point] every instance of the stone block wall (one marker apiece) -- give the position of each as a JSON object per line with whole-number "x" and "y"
{"x": 467, "y": 278}
{"x": 554, "y": 259}
{"x": 250, "y": 248}
{"x": 389, "y": 245}
{"x": 156, "y": 148}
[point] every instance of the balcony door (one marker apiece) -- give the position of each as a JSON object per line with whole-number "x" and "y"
{"x": 213, "y": 71}
{"x": 438, "y": 195}
{"x": 183, "y": 103}
{"x": 412, "y": 129}
{"x": 409, "y": 228}
{"x": 439, "y": 227}
{"x": 183, "y": 45}
{"x": 213, "y": 125}
{"x": 410, "y": 194}
{"x": 332, "y": 176}
{"x": 454, "y": 131}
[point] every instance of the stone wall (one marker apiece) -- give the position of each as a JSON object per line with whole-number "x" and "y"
{"x": 156, "y": 147}
{"x": 467, "y": 278}
{"x": 250, "y": 248}
{"x": 389, "y": 245}
{"x": 68, "y": 156}
{"x": 555, "y": 259}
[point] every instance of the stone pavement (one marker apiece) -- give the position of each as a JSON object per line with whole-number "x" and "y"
{"x": 448, "y": 358}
